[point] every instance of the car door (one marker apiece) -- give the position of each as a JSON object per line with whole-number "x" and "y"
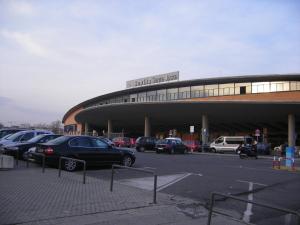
{"x": 105, "y": 154}
{"x": 81, "y": 148}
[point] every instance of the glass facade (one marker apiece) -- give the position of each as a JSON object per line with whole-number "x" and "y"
{"x": 202, "y": 91}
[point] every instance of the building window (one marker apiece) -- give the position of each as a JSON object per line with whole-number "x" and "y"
{"x": 142, "y": 97}
{"x": 151, "y": 96}
{"x": 260, "y": 87}
{"x": 162, "y": 95}
{"x": 211, "y": 90}
{"x": 295, "y": 85}
{"x": 197, "y": 91}
{"x": 184, "y": 92}
{"x": 226, "y": 89}
{"x": 172, "y": 93}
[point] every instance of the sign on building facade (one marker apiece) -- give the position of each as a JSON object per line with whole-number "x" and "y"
{"x": 161, "y": 78}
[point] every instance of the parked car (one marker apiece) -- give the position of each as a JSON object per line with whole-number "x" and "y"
{"x": 6, "y": 131}
{"x": 171, "y": 146}
{"x": 21, "y": 149}
{"x": 21, "y": 136}
{"x": 145, "y": 143}
{"x": 227, "y": 144}
{"x": 93, "y": 150}
{"x": 122, "y": 142}
{"x": 193, "y": 145}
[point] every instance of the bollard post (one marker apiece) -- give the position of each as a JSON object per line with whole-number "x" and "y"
{"x": 274, "y": 160}
{"x": 27, "y": 163}
{"x": 212, "y": 200}
{"x": 44, "y": 161}
{"x": 17, "y": 161}
{"x": 84, "y": 172}
{"x": 59, "y": 167}
{"x": 154, "y": 189}
{"x": 112, "y": 178}
{"x": 279, "y": 162}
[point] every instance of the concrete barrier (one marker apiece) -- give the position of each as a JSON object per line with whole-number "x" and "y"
{"x": 6, "y": 162}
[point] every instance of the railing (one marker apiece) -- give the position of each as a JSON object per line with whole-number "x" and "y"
{"x": 77, "y": 160}
{"x": 248, "y": 201}
{"x": 135, "y": 169}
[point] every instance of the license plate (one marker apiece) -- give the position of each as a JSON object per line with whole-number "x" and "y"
{"x": 160, "y": 148}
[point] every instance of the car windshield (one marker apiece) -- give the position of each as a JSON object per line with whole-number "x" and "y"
{"x": 6, "y": 137}
{"x": 36, "y": 138}
{"x": 14, "y": 136}
{"x": 58, "y": 140}
{"x": 164, "y": 141}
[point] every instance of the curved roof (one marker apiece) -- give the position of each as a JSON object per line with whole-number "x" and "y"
{"x": 204, "y": 81}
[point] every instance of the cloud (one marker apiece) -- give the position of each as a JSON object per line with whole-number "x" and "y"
{"x": 23, "y": 8}
{"x": 27, "y": 42}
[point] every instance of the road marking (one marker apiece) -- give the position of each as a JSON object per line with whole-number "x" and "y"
{"x": 245, "y": 181}
{"x": 162, "y": 181}
{"x": 248, "y": 212}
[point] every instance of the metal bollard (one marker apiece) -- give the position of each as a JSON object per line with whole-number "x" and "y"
{"x": 112, "y": 178}
{"x": 154, "y": 189}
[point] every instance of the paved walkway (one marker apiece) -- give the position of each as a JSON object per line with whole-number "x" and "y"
{"x": 28, "y": 196}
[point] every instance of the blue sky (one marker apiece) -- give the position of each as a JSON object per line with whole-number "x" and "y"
{"x": 56, "y": 54}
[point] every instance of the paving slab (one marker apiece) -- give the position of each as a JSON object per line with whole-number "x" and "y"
{"x": 28, "y": 196}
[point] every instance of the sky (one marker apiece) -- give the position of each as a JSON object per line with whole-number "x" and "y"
{"x": 55, "y": 54}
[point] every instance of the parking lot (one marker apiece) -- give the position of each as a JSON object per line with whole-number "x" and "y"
{"x": 195, "y": 176}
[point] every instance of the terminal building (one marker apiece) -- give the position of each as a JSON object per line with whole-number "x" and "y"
{"x": 267, "y": 106}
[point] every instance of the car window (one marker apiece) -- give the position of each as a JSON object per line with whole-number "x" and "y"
{"x": 80, "y": 142}
{"x": 99, "y": 144}
{"x": 219, "y": 140}
{"x": 47, "y": 138}
{"x": 27, "y": 136}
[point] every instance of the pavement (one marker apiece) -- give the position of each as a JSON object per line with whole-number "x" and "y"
{"x": 28, "y": 196}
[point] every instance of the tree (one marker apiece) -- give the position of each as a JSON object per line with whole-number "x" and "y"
{"x": 56, "y": 127}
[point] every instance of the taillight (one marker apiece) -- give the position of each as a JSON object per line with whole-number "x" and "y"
{"x": 48, "y": 151}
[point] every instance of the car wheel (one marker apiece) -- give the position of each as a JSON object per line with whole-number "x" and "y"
{"x": 127, "y": 161}
{"x": 142, "y": 149}
{"x": 70, "y": 165}
{"x": 213, "y": 150}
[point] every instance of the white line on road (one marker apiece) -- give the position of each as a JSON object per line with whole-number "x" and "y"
{"x": 248, "y": 212}
{"x": 173, "y": 182}
{"x": 245, "y": 181}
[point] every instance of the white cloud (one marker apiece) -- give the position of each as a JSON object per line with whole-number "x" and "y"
{"x": 20, "y": 7}
{"x": 27, "y": 42}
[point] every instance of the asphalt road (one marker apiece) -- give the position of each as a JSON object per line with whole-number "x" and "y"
{"x": 196, "y": 176}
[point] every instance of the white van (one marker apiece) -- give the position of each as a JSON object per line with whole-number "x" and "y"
{"x": 227, "y": 143}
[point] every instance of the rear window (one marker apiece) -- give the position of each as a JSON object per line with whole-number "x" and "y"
{"x": 58, "y": 140}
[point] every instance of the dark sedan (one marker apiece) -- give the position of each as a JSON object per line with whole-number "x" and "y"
{"x": 93, "y": 150}
{"x": 23, "y": 147}
{"x": 171, "y": 146}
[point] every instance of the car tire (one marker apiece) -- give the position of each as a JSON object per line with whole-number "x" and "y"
{"x": 127, "y": 161}
{"x": 213, "y": 150}
{"x": 142, "y": 149}
{"x": 70, "y": 165}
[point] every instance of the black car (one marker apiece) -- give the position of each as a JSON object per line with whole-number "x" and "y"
{"x": 23, "y": 147}
{"x": 171, "y": 146}
{"x": 95, "y": 151}
{"x": 145, "y": 143}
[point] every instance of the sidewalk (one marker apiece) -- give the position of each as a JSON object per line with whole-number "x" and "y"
{"x": 28, "y": 196}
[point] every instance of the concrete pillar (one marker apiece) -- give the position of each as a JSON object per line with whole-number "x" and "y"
{"x": 204, "y": 132}
{"x": 147, "y": 132}
{"x": 109, "y": 128}
{"x": 291, "y": 130}
{"x": 86, "y": 129}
